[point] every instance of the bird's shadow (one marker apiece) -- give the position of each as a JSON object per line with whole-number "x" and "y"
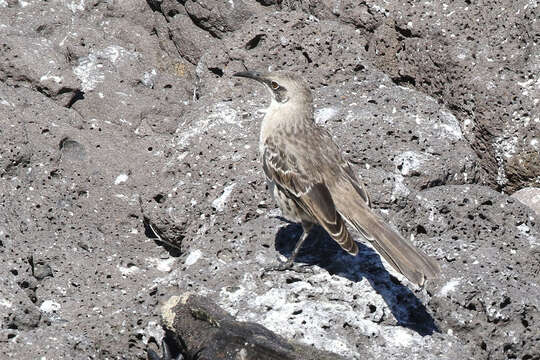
{"x": 319, "y": 249}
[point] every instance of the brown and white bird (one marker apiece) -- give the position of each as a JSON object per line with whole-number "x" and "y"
{"x": 313, "y": 184}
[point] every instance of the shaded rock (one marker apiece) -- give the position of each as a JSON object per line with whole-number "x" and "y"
{"x": 168, "y": 8}
{"x": 20, "y": 65}
{"x": 319, "y": 10}
{"x": 203, "y": 325}
{"x": 71, "y": 149}
{"x": 16, "y": 152}
{"x": 179, "y": 36}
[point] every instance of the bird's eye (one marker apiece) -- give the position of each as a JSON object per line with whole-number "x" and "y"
{"x": 274, "y": 85}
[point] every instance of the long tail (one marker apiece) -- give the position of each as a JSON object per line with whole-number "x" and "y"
{"x": 399, "y": 252}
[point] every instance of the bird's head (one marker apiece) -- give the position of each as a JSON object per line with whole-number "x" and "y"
{"x": 283, "y": 87}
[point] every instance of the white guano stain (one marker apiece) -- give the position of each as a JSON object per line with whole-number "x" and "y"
{"x": 220, "y": 113}
{"x": 6, "y": 303}
{"x": 90, "y": 69}
{"x": 48, "y": 76}
{"x": 49, "y": 306}
{"x": 193, "y": 257}
{"x": 410, "y": 162}
{"x": 89, "y": 72}
{"x": 74, "y": 6}
{"x": 449, "y": 287}
{"x": 400, "y": 190}
{"x": 524, "y": 229}
{"x": 122, "y": 178}
{"x": 148, "y": 78}
{"x": 128, "y": 270}
{"x": 534, "y": 144}
{"x": 5, "y": 102}
{"x": 153, "y": 331}
{"x": 166, "y": 265}
{"x": 288, "y": 311}
{"x": 163, "y": 265}
{"x": 219, "y": 203}
{"x": 402, "y": 337}
{"x": 450, "y": 125}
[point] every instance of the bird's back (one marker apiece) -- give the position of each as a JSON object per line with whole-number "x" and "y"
{"x": 306, "y": 145}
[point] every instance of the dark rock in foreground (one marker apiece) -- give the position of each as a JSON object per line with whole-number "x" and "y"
{"x": 203, "y": 325}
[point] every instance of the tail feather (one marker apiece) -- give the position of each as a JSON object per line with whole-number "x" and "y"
{"x": 349, "y": 245}
{"x": 318, "y": 202}
{"x": 398, "y": 252}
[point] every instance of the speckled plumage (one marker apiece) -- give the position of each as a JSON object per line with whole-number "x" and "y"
{"x": 313, "y": 184}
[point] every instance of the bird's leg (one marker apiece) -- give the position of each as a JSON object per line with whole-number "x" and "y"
{"x": 287, "y": 264}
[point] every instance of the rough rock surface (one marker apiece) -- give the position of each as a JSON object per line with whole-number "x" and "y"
{"x": 481, "y": 59}
{"x": 213, "y": 334}
{"x": 129, "y": 173}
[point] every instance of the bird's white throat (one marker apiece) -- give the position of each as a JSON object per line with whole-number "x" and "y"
{"x": 284, "y": 116}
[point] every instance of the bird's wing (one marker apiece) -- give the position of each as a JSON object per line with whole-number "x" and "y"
{"x": 285, "y": 164}
{"x": 335, "y": 168}
{"x": 360, "y": 187}
{"x": 353, "y": 204}
{"x": 331, "y": 162}
{"x": 312, "y": 165}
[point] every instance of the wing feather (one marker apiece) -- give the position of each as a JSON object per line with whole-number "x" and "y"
{"x": 308, "y": 193}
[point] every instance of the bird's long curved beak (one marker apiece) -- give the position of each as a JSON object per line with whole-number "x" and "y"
{"x": 255, "y": 75}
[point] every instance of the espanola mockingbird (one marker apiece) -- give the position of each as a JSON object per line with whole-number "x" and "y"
{"x": 313, "y": 184}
